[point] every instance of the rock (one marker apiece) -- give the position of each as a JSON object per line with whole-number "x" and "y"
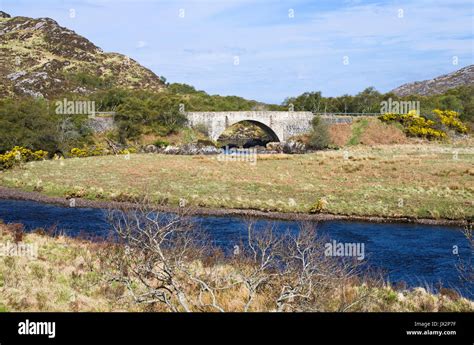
{"x": 47, "y": 48}
{"x": 171, "y": 150}
{"x": 151, "y": 149}
{"x": 275, "y": 146}
{"x": 292, "y": 147}
{"x": 16, "y": 75}
{"x": 191, "y": 149}
{"x": 209, "y": 150}
{"x": 260, "y": 149}
{"x": 438, "y": 85}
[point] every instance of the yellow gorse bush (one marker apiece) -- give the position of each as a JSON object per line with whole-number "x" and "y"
{"x": 87, "y": 151}
{"x": 418, "y": 126}
{"x": 19, "y": 155}
{"x": 127, "y": 151}
{"x": 415, "y": 125}
{"x": 97, "y": 151}
{"x": 77, "y": 152}
{"x": 451, "y": 120}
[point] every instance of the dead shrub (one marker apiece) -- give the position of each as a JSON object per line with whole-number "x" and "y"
{"x": 165, "y": 263}
{"x": 17, "y": 230}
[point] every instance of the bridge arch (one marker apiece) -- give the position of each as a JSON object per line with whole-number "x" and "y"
{"x": 264, "y": 127}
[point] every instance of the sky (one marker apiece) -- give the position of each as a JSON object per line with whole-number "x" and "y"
{"x": 268, "y": 50}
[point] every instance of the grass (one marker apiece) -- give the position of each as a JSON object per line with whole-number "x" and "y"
{"x": 357, "y": 131}
{"x": 70, "y": 275}
{"x": 427, "y": 180}
{"x": 62, "y": 278}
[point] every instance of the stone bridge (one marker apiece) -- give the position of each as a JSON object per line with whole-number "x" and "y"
{"x": 280, "y": 125}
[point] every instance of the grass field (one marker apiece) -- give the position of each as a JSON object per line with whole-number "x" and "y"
{"x": 415, "y": 180}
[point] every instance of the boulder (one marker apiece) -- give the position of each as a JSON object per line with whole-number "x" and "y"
{"x": 151, "y": 149}
{"x": 190, "y": 149}
{"x": 275, "y": 147}
{"x": 209, "y": 150}
{"x": 171, "y": 150}
{"x": 292, "y": 147}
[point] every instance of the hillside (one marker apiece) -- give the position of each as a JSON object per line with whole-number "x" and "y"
{"x": 438, "y": 85}
{"x": 38, "y": 57}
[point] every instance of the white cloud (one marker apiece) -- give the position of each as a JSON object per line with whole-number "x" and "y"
{"x": 141, "y": 44}
{"x": 280, "y": 57}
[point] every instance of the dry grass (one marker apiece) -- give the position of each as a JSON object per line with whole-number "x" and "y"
{"x": 367, "y": 132}
{"x": 340, "y": 134}
{"x": 433, "y": 180}
{"x": 64, "y": 277}
{"x": 69, "y": 275}
{"x": 381, "y": 133}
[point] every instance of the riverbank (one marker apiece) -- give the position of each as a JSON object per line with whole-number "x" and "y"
{"x": 425, "y": 183}
{"x": 70, "y": 274}
{"x": 17, "y": 194}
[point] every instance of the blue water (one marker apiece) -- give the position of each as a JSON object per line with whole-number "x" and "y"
{"x": 420, "y": 255}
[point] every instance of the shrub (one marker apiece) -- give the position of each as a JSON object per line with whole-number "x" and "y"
{"x": 97, "y": 151}
{"x": 161, "y": 143}
{"x": 76, "y": 152}
{"x": 319, "y": 137}
{"x": 451, "y": 120}
{"x": 415, "y": 125}
{"x": 318, "y": 206}
{"x": 20, "y": 154}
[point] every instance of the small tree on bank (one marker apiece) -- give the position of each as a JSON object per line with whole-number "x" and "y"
{"x": 319, "y": 138}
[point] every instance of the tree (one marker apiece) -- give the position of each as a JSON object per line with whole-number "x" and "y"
{"x": 164, "y": 261}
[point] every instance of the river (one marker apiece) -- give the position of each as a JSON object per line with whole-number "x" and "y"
{"x": 419, "y": 255}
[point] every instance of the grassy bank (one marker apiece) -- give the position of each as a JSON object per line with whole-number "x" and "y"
{"x": 412, "y": 180}
{"x": 73, "y": 275}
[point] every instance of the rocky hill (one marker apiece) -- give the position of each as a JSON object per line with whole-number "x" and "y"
{"x": 40, "y": 58}
{"x": 438, "y": 85}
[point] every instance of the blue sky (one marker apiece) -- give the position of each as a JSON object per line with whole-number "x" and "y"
{"x": 269, "y": 49}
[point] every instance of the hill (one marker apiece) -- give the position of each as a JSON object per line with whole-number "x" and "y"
{"x": 438, "y": 85}
{"x": 38, "y": 57}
